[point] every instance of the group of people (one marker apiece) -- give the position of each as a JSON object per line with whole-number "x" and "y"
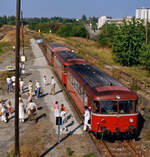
{"x": 60, "y": 111}
{"x": 5, "y": 110}
{"x": 27, "y": 111}
{"x": 11, "y": 84}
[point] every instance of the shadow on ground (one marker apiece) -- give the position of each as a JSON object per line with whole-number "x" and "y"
{"x": 64, "y": 138}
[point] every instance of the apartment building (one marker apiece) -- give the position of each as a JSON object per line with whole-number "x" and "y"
{"x": 143, "y": 13}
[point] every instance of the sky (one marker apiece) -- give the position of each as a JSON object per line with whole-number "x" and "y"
{"x": 73, "y": 8}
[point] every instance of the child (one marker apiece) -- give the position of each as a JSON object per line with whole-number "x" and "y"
{"x": 9, "y": 108}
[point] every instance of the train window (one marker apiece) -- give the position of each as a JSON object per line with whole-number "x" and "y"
{"x": 126, "y": 106}
{"x": 96, "y": 107}
{"x": 49, "y": 51}
{"x": 109, "y": 106}
{"x": 58, "y": 62}
{"x": 85, "y": 98}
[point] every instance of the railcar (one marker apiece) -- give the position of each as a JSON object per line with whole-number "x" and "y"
{"x": 52, "y": 48}
{"x": 112, "y": 105}
{"x": 62, "y": 60}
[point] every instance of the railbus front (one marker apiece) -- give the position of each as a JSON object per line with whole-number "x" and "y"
{"x": 114, "y": 112}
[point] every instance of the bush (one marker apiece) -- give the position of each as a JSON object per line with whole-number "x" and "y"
{"x": 76, "y": 30}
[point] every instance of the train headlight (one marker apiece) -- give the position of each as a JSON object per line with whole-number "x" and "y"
{"x": 131, "y": 120}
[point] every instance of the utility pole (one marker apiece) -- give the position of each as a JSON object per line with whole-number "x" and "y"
{"x": 147, "y": 29}
{"x": 17, "y": 154}
{"x": 22, "y": 31}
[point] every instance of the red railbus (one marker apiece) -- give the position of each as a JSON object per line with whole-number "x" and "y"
{"x": 52, "y": 48}
{"x": 62, "y": 60}
{"x": 112, "y": 105}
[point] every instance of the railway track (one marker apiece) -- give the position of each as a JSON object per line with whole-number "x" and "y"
{"x": 118, "y": 148}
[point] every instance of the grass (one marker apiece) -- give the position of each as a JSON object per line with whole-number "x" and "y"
{"x": 148, "y": 116}
{"x": 147, "y": 135}
{"x": 90, "y": 155}
{"x": 4, "y": 46}
{"x": 11, "y": 154}
{"x": 69, "y": 152}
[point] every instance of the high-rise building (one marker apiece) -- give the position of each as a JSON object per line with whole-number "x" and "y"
{"x": 143, "y": 13}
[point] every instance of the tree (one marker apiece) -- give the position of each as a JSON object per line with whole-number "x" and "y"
{"x": 128, "y": 41}
{"x": 84, "y": 19}
{"x": 68, "y": 30}
{"x": 106, "y": 35}
{"x": 145, "y": 56}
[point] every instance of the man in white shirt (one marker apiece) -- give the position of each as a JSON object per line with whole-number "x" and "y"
{"x": 53, "y": 84}
{"x": 86, "y": 118}
{"x": 31, "y": 107}
{"x": 13, "y": 82}
{"x": 8, "y": 80}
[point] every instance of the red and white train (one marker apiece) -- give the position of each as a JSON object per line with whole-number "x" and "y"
{"x": 112, "y": 105}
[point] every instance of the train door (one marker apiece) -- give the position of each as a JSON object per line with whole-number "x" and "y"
{"x": 65, "y": 76}
{"x": 52, "y": 58}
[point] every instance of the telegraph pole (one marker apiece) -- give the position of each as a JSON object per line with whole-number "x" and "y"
{"x": 147, "y": 29}
{"x": 22, "y": 31}
{"x": 17, "y": 154}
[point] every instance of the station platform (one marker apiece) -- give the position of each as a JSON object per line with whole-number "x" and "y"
{"x": 73, "y": 124}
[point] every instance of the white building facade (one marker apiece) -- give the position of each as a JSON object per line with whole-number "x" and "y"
{"x": 104, "y": 19}
{"x": 101, "y": 21}
{"x": 143, "y": 13}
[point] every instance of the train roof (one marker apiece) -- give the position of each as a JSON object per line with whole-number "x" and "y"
{"x": 94, "y": 76}
{"x": 98, "y": 82}
{"x": 56, "y": 45}
{"x": 70, "y": 58}
{"x": 68, "y": 55}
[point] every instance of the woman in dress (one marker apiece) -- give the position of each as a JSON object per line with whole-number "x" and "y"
{"x": 21, "y": 111}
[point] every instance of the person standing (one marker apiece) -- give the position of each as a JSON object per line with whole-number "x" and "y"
{"x": 9, "y": 108}
{"x": 63, "y": 115}
{"x": 56, "y": 109}
{"x": 21, "y": 111}
{"x": 53, "y": 84}
{"x": 8, "y": 80}
{"x": 20, "y": 69}
{"x": 21, "y": 85}
{"x": 23, "y": 68}
{"x": 86, "y": 118}
{"x": 31, "y": 107}
{"x": 38, "y": 87}
{"x": 30, "y": 85}
{"x": 13, "y": 78}
{"x": 3, "y": 113}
